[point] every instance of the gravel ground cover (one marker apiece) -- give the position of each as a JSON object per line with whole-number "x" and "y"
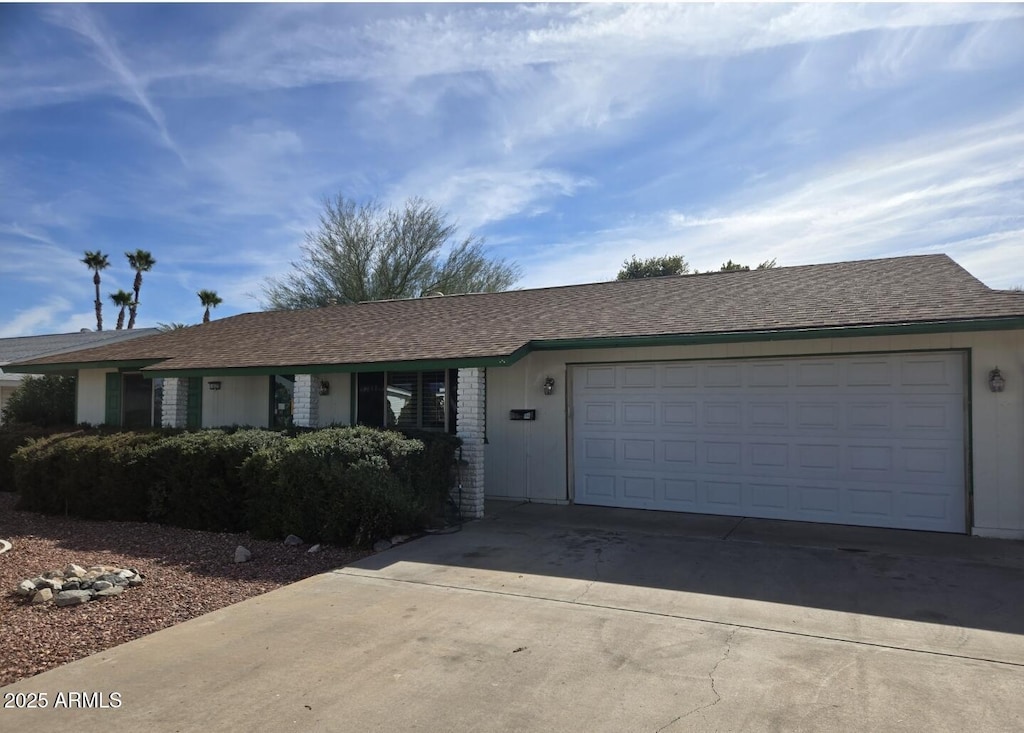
{"x": 186, "y": 574}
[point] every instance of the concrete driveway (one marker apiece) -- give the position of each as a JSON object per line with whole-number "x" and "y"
{"x": 574, "y": 619}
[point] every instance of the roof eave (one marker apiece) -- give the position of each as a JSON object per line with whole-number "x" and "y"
{"x": 29, "y": 367}
{"x": 718, "y": 337}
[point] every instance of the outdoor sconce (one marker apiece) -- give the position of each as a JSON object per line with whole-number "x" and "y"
{"x": 549, "y": 385}
{"x": 996, "y": 382}
{"x": 214, "y": 386}
{"x": 325, "y": 387}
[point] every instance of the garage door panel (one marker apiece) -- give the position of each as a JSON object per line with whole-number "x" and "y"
{"x": 873, "y": 440}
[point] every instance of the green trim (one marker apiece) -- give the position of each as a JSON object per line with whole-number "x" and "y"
{"x": 351, "y": 400}
{"x": 421, "y": 365}
{"x": 194, "y": 404}
{"x": 123, "y": 365}
{"x": 113, "y": 399}
{"x": 611, "y": 342}
{"x": 969, "y": 458}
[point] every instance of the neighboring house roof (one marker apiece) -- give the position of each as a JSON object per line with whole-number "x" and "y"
{"x": 21, "y": 348}
{"x": 899, "y": 293}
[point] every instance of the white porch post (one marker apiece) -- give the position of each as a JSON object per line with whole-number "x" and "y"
{"x": 306, "y": 401}
{"x": 470, "y": 426}
{"x": 174, "y": 403}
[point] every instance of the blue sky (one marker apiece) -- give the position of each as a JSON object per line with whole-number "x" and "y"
{"x": 570, "y": 137}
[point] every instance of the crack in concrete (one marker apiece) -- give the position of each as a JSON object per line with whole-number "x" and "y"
{"x": 597, "y": 573}
{"x": 711, "y": 678}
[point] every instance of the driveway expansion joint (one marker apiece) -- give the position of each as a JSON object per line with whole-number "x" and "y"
{"x": 681, "y": 617}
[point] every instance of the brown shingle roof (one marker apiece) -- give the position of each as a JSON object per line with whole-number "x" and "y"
{"x": 900, "y": 290}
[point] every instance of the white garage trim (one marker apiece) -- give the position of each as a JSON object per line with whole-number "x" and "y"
{"x": 866, "y": 439}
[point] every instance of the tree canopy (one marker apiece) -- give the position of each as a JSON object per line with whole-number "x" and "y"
{"x": 365, "y": 251}
{"x": 44, "y": 401}
{"x": 637, "y": 269}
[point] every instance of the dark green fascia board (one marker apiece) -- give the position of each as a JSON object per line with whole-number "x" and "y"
{"x": 380, "y": 366}
{"x": 126, "y": 365}
{"x": 610, "y": 342}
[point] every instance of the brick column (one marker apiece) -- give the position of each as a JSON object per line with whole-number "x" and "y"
{"x": 174, "y": 403}
{"x": 470, "y": 426}
{"x": 306, "y": 401}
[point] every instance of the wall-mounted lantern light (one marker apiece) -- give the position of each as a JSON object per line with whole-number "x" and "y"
{"x": 549, "y": 385}
{"x": 214, "y": 386}
{"x": 325, "y": 387}
{"x": 996, "y": 382}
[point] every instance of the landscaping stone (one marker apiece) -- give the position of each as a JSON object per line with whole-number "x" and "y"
{"x": 242, "y": 554}
{"x": 314, "y": 548}
{"x": 76, "y": 585}
{"x": 42, "y": 596}
{"x": 381, "y": 545}
{"x": 73, "y": 597}
{"x": 293, "y": 541}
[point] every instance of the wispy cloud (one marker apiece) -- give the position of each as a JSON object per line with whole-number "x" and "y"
{"x": 81, "y": 20}
{"x": 570, "y": 136}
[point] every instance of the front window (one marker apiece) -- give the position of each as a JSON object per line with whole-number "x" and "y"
{"x": 407, "y": 400}
{"x": 282, "y": 392}
{"x": 142, "y": 401}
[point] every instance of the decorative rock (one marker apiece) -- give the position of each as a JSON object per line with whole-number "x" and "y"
{"x": 72, "y": 597}
{"x": 242, "y": 554}
{"x": 77, "y": 585}
{"x": 42, "y": 596}
{"x": 293, "y": 541}
{"x": 381, "y": 545}
{"x": 314, "y": 548}
{"x": 399, "y": 539}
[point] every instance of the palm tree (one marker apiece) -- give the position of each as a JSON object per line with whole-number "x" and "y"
{"x": 123, "y": 300}
{"x": 209, "y": 299}
{"x": 141, "y": 261}
{"x": 97, "y": 261}
{"x": 165, "y": 327}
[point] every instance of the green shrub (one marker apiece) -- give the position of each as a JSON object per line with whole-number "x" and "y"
{"x": 45, "y": 401}
{"x": 95, "y": 476}
{"x": 13, "y": 437}
{"x": 433, "y": 469}
{"x": 339, "y": 485}
{"x": 194, "y": 479}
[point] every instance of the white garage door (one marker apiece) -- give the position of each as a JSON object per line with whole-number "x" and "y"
{"x": 873, "y": 440}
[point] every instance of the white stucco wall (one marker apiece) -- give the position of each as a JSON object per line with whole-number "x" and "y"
{"x": 239, "y": 401}
{"x": 528, "y": 460}
{"x": 92, "y": 396}
{"x": 335, "y": 407}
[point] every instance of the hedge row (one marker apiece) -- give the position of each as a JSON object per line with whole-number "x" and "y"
{"x": 13, "y": 437}
{"x": 337, "y": 485}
